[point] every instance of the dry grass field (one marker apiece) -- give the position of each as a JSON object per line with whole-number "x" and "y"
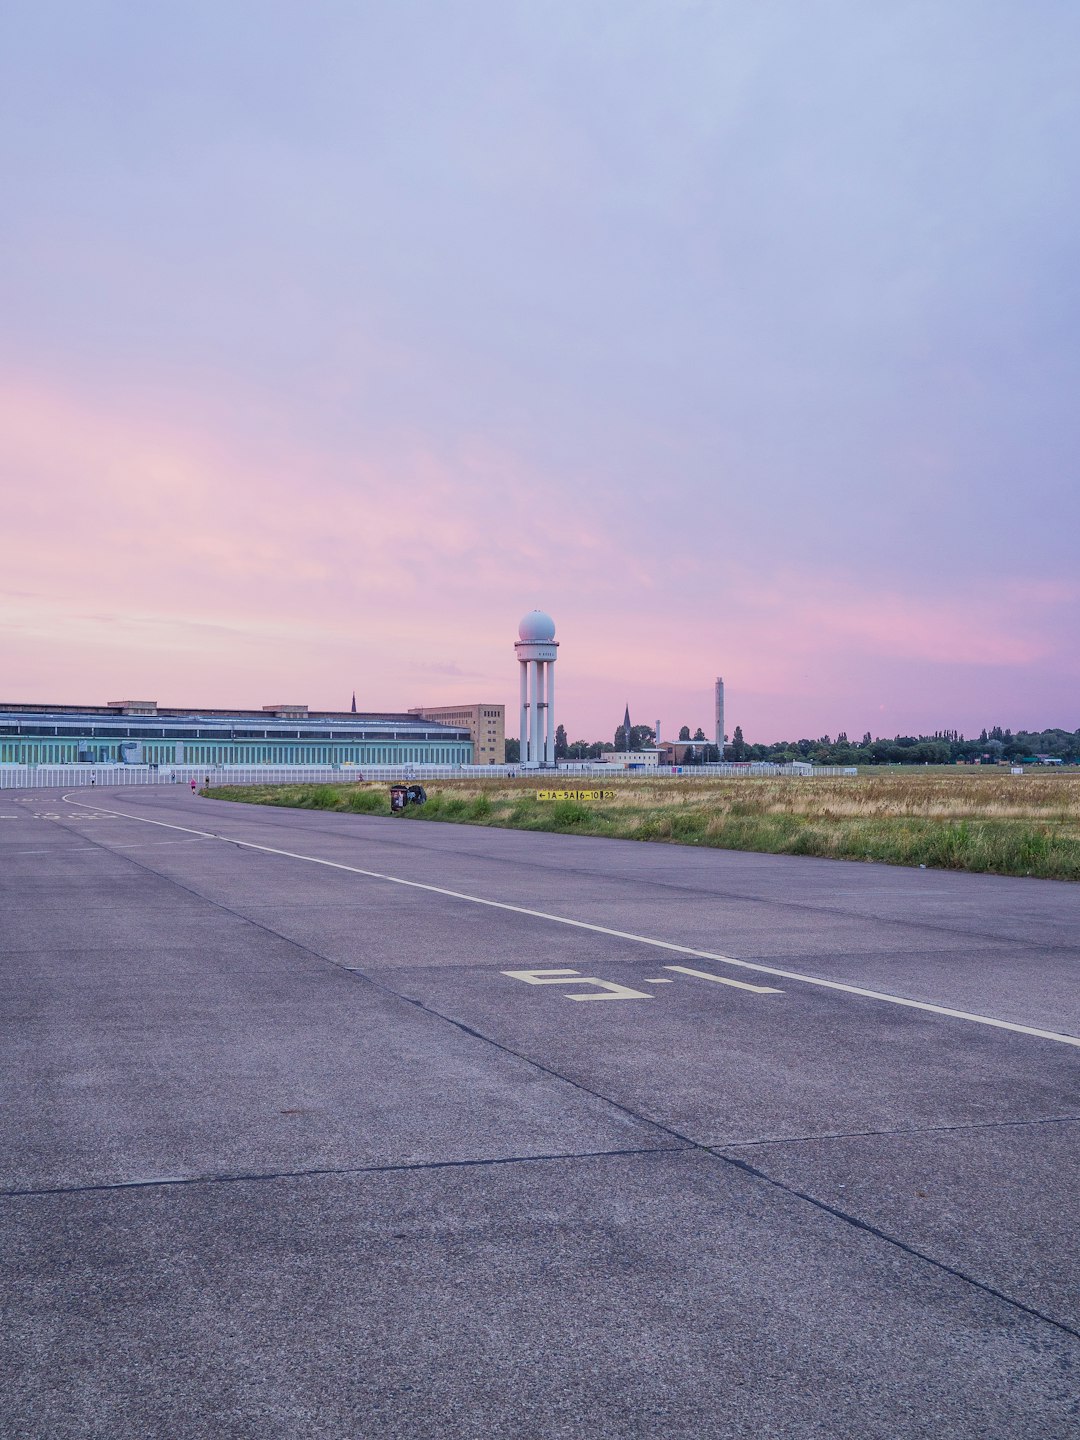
{"x": 954, "y": 819}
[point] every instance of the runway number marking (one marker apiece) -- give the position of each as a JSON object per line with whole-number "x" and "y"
{"x": 614, "y": 991}
{"x": 606, "y": 989}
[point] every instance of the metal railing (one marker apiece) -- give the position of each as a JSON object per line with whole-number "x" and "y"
{"x": 83, "y": 776}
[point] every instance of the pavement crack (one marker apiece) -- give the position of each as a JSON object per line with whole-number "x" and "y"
{"x": 911, "y": 1130}
{"x": 315, "y": 1172}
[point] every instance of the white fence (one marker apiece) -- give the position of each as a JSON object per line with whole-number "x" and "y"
{"x": 21, "y": 777}
{"x": 32, "y": 777}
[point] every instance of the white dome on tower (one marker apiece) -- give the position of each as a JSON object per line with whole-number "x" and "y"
{"x": 536, "y": 626}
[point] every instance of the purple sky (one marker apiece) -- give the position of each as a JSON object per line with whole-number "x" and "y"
{"x": 743, "y": 338}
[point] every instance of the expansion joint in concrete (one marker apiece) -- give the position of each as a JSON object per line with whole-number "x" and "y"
{"x": 883, "y": 1235}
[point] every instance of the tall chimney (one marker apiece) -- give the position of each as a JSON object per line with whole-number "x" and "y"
{"x": 720, "y": 715}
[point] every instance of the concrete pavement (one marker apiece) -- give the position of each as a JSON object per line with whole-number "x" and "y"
{"x": 288, "y": 1152}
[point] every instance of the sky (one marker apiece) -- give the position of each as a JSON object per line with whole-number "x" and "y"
{"x": 743, "y": 338}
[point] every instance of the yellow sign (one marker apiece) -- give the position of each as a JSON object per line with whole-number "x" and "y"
{"x": 575, "y": 794}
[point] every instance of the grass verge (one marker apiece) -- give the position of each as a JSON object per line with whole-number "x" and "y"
{"x": 995, "y": 824}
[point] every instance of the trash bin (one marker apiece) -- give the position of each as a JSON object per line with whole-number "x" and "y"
{"x": 402, "y": 795}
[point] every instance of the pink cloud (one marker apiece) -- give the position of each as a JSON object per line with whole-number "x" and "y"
{"x": 145, "y": 547}
{"x": 838, "y": 614}
{"x": 156, "y": 556}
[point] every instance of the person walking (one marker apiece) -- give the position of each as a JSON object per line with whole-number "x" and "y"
{"x": 194, "y": 785}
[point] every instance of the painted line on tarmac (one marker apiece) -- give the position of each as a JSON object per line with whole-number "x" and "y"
{"x": 816, "y": 980}
{"x": 86, "y": 849}
{"x": 724, "y": 980}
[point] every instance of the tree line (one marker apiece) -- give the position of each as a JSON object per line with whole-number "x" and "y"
{"x": 944, "y": 747}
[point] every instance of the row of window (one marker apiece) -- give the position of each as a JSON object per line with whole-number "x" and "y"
{"x": 36, "y": 752}
{"x": 462, "y": 716}
{"x": 135, "y": 732}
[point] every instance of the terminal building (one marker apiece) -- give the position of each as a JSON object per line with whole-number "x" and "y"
{"x": 486, "y": 725}
{"x": 140, "y": 732}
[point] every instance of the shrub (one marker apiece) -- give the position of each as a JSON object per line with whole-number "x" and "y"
{"x": 369, "y": 802}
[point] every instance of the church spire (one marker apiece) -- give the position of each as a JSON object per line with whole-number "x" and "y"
{"x": 626, "y": 725}
{"x": 354, "y": 702}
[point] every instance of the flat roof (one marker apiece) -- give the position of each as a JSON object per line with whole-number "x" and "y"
{"x": 336, "y": 724}
{"x": 116, "y": 708}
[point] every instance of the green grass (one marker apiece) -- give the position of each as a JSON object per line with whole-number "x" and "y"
{"x": 992, "y": 823}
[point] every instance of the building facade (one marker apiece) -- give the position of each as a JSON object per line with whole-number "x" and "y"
{"x": 682, "y": 752}
{"x": 630, "y": 759}
{"x": 486, "y": 725}
{"x": 139, "y": 732}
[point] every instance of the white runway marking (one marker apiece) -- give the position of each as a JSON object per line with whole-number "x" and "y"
{"x": 725, "y": 980}
{"x": 815, "y": 980}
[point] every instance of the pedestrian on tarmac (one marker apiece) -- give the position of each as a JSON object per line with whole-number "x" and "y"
{"x": 194, "y": 785}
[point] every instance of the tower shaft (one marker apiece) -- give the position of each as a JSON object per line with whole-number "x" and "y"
{"x": 537, "y": 650}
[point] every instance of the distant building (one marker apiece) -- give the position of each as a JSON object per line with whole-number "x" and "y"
{"x": 681, "y": 752}
{"x": 140, "y": 732}
{"x": 630, "y": 760}
{"x": 486, "y": 725}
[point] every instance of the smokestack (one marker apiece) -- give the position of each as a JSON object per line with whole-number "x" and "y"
{"x": 658, "y": 732}
{"x": 720, "y": 715}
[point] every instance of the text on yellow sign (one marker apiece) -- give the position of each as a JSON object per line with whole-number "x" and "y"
{"x": 575, "y": 794}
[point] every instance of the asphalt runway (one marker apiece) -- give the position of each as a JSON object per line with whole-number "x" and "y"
{"x": 339, "y": 1126}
